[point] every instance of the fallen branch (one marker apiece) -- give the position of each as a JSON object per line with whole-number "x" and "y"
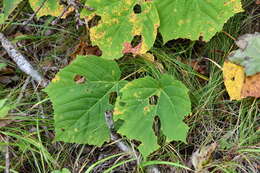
{"x": 21, "y": 62}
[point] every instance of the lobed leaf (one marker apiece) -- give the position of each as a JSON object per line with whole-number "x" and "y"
{"x": 80, "y": 96}
{"x": 135, "y": 108}
{"x": 119, "y": 24}
{"x": 194, "y": 18}
{"x": 233, "y": 79}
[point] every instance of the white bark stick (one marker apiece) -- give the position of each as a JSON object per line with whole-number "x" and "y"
{"x": 21, "y": 62}
{"x": 7, "y": 159}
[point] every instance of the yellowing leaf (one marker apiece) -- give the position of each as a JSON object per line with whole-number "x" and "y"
{"x": 48, "y": 7}
{"x": 234, "y": 77}
{"x": 119, "y": 24}
{"x": 239, "y": 85}
{"x": 251, "y": 87}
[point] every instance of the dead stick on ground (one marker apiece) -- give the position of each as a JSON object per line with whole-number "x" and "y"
{"x": 21, "y": 62}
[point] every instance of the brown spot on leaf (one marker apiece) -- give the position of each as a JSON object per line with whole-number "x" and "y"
{"x": 251, "y": 87}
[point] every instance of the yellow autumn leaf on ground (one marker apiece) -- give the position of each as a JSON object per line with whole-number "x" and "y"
{"x": 251, "y": 87}
{"x": 48, "y": 7}
{"x": 234, "y": 77}
{"x": 239, "y": 85}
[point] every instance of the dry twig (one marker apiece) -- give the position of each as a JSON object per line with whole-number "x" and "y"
{"x": 21, "y": 61}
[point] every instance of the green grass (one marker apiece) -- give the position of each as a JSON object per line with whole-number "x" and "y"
{"x": 233, "y": 125}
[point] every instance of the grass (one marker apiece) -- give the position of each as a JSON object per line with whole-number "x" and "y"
{"x": 233, "y": 125}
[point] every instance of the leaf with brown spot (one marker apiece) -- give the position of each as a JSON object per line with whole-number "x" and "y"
{"x": 233, "y": 79}
{"x": 47, "y": 7}
{"x": 119, "y": 25}
{"x": 239, "y": 85}
{"x": 146, "y": 98}
{"x": 80, "y": 95}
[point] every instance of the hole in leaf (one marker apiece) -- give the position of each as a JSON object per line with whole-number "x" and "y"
{"x": 62, "y": 129}
{"x": 201, "y": 38}
{"x": 156, "y": 125}
{"x": 233, "y": 78}
{"x": 137, "y": 9}
{"x": 161, "y": 138}
{"x": 79, "y": 79}
{"x": 136, "y": 40}
{"x": 112, "y": 98}
{"x": 153, "y": 100}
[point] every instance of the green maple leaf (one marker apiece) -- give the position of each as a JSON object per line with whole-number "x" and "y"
{"x": 248, "y": 55}
{"x": 79, "y": 106}
{"x": 119, "y": 24}
{"x": 194, "y": 18}
{"x": 134, "y": 107}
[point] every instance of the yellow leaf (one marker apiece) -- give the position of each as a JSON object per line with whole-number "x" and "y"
{"x": 234, "y": 77}
{"x": 48, "y": 7}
